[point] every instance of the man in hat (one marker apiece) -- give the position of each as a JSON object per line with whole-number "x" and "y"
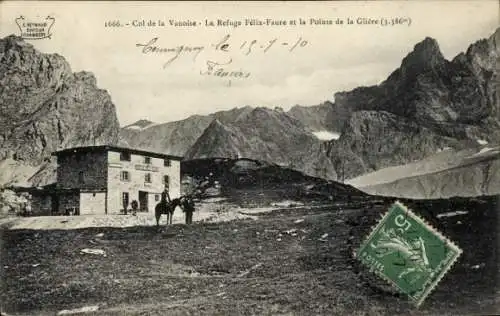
{"x": 165, "y": 196}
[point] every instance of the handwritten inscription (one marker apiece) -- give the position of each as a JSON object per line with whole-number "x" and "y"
{"x": 221, "y": 66}
{"x": 176, "y": 51}
{"x": 216, "y": 69}
{"x": 247, "y": 47}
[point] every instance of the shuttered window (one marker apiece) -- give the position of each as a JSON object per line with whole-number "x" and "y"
{"x": 124, "y": 176}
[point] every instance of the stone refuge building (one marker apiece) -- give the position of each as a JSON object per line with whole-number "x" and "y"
{"x": 103, "y": 179}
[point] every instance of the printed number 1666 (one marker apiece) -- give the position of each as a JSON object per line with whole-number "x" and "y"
{"x": 114, "y": 23}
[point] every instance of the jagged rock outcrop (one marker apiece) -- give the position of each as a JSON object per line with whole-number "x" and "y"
{"x": 44, "y": 106}
{"x": 268, "y": 135}
{"x": 426, "y": 104}
{"x": 372, "y": 140}
{"x": 317, "y": 118}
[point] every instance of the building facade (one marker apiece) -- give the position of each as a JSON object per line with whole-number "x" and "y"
{"x": 106, "y": 179}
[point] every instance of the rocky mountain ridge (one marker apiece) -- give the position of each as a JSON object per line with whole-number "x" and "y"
{"x": 426, "y": 104}
{"x": 44, "y": 106}
{"x": 264, "y": 134}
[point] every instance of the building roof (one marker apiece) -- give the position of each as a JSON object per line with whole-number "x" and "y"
{"x": 51, "y": 189}
{"x": 101, "y": 148}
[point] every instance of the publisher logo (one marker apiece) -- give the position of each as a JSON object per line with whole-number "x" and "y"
{"x": 35, "y": 29}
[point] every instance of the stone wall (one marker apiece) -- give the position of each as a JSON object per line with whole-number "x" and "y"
{"x": 82, "y": 170}
{"x": 137, "y": 170}
{"x": 92, "y": 203}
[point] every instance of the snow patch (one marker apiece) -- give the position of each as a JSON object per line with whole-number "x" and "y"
{"x": 326, "y": 135}
{"x": 486, "y": 150}
{"x": 482, "y": 141}
{"x": 134, "y": 127}
{"x": 139, "y": 128}
{"x": 451, "y": 214}
{"x": 94, "y": 251}
{"x": 85, "y": 309}
{"x": 443, "y": 149}
{"x": 288, "y": 203}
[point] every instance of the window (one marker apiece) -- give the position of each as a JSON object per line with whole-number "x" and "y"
{"x": 81, "y": 177}
{"x": 124, "y": 176}
{"x": 166, "y": 181}
{"x": 147, "y": 177}
{"x": 147, "y": 160}
{"x": 166, "y": 162}
{"x": 125, "y": 199}
{"x": 157, "y": 197}
{"x": 125, "y": 156}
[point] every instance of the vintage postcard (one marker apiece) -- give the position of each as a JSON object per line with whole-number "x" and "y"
{"x": 254, "y": 158}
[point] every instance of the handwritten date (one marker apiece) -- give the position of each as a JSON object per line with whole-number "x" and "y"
{"x": 248, "y": 47}
{"x": 221, "y": 65}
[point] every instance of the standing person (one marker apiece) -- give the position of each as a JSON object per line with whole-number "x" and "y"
{"x": 134, "y": 206}
{"x": 125, "y": 206}
{"x": 188, "y": 208}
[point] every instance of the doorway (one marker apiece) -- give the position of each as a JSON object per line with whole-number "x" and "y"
{"x": 143, "y": 201}
{"x": 55, "y": 204}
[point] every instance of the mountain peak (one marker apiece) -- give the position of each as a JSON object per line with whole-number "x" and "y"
{"x": 214, "y": 123}
{"x": 426, "y": 55}
{"x": 217, "y": 140}
{"x": 48, "y": 107}
{"x": 217, "y": 129}
{"x": 13, "y": 39}
{"x": 17, "y": 45}
{"x": 428, "y": 44}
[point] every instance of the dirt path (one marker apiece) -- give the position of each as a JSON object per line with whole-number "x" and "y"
{"x": 288, "y": 262}
{"x": 209, "y": 211}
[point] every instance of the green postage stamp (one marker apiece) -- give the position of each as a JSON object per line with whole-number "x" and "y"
{"x": 408, "y": 253}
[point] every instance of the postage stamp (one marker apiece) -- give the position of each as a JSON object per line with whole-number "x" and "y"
{"x": 408, "y": 252}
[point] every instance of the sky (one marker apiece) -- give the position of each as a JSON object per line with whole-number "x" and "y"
{"x": 270, "y": 65}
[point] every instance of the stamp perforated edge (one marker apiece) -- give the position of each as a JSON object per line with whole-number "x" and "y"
{"x": 428, "y": 226}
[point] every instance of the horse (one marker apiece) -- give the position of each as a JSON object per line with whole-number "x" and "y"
{"x": 164, "y": 207}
